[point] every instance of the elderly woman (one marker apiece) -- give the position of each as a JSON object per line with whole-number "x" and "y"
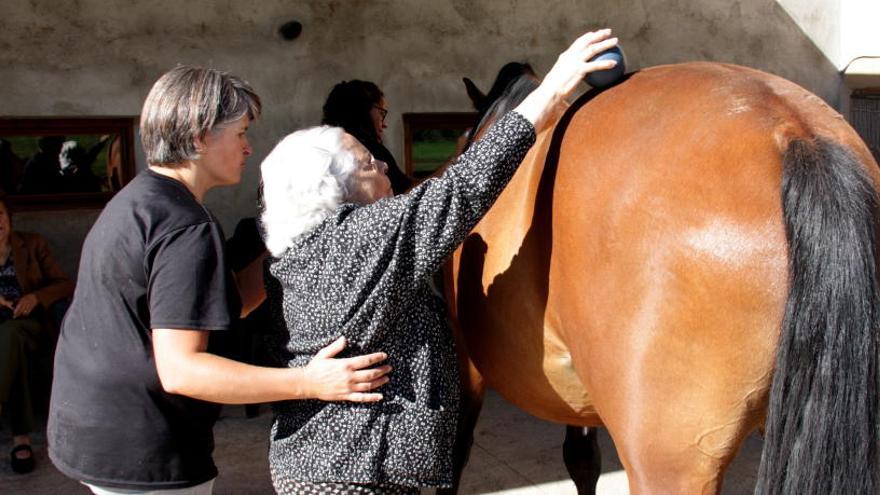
{"x": 349, "y": 258}
{"x": 30, "y": 283}
{"x": 137, "y": 384}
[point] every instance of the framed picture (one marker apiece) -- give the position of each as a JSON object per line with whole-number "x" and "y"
{"x": 61, "y": 163}
{"x": 431, "y": 139}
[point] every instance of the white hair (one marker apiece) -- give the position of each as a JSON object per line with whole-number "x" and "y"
{"x": 305, "y": 177}
{"x": 65, "y": 156}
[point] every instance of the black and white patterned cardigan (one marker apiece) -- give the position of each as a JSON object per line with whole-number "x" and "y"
{"x": 364, "y": 272}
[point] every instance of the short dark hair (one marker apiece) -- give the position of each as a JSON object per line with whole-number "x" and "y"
{"x": 348, "y": 106}
{"x": 188, "y": 102}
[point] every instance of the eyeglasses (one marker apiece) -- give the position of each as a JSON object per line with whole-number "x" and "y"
{"x": 382, "y": 112}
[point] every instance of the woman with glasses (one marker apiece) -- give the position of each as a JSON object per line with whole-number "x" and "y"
{"x": 359, "y": 108}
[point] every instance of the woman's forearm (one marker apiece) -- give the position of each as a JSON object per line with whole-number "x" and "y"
{"x": 186, "y": 368}
{"x": 213, "y": 378}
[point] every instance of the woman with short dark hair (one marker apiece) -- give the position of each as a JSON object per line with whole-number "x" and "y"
{"x": 359, "y": 107}
{"x": 351, "y": 258}
{"x": 137, "y": 383}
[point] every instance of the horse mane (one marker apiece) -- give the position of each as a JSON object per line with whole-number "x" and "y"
{"x": 516, "y": 90}
{"x": 507, "y": 74}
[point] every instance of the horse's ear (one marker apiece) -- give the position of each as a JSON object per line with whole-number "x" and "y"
{"x": 477, "y": 97}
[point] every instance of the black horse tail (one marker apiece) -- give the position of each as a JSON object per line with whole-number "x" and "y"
{"x": 822, "y": 426}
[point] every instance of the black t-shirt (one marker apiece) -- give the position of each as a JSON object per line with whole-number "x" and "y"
{"x": 153, "y": 259}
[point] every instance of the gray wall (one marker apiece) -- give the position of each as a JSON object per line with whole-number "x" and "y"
{"x": 91, "y": 57}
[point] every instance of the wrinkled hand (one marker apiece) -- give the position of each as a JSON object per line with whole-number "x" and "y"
{"x": 348, "y": 379}
{"x": 6, "y": 303}
{"x": 569, "y": 70}
{"x": 25, "y": 305}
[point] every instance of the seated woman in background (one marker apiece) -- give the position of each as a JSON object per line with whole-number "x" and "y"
{"x": 359, "y": 108}
{"x": 30, "y": 282}
{"x": 351, "y": 259}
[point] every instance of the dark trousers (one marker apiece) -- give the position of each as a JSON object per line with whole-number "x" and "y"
{"x": 18, "y": 338}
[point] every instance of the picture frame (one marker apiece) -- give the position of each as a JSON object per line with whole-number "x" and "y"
{"x": 430, "y": 139}
{"x": 52, "y": 163}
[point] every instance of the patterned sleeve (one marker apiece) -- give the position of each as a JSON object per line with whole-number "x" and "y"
{"x": 420, "y": 229}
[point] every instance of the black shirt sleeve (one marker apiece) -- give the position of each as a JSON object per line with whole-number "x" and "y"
{"x": 189, "y": 285}
{"x": 245, "y": 245}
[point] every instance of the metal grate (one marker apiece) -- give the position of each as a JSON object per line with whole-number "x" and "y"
{"x": 865, "y": 115}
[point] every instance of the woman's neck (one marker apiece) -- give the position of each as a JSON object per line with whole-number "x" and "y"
{"x": 187, "y": 174}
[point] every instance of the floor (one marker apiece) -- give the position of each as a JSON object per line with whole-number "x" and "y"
{"x": 514, "y": 453}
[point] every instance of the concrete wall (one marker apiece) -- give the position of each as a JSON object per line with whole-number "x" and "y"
{"x": 93, "y": 57}
{"x": 860, "y": 43}
{"x": 821, "y": 21}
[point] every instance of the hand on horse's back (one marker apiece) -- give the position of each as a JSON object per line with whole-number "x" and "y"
{"x": 570, "y": 69}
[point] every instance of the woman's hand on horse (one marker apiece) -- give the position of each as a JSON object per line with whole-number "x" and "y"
{"x": 348, "y": 379}
{"x": 570, "y": 68}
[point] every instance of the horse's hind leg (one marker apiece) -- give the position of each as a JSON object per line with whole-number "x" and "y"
{"x": 695, "y": 381}
{"x": 583, "y": 460}
{"x": 684, "y": 416}
{"x": 679, "y": 418}
{"x": 677, "y": 467}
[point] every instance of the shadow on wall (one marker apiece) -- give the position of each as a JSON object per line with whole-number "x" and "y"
{"x": 815, "y": 62}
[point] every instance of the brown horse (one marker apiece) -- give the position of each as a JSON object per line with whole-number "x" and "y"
{"x": 687, "y": 256}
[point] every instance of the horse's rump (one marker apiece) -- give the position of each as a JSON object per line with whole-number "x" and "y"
{"x": 635, "y": 271}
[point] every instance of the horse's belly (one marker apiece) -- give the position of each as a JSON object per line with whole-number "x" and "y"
{"x": 508, "y": 336}
{"x": 502, "y": 295}
{"x": 533, "y": 370}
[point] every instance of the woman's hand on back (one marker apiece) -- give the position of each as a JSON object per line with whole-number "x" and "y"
{"x": 346, "y": 379}
{"x": 542, "y": 105}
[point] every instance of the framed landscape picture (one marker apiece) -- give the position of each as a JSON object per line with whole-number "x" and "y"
{"x": 432, "y": 139}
